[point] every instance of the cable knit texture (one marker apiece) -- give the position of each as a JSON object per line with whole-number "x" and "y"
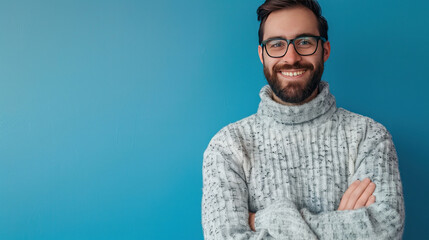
{"x": 291, "y": 165}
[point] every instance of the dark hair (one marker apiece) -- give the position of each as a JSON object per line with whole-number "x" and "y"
{"x": 270, "y": 6}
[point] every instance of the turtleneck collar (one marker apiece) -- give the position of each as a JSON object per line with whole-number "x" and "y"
{"x": 316, "y": 111}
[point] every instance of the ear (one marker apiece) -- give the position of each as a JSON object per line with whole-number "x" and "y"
{"x": 260, "y": 54}
{"x": 327, "y": 50}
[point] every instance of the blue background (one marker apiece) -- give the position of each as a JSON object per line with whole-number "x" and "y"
{"x": 106, "y": 107}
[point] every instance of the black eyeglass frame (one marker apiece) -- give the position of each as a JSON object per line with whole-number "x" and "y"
{"x": 289, "y": 41}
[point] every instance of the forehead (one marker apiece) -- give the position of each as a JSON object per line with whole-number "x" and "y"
{"x": 291, "y": 22}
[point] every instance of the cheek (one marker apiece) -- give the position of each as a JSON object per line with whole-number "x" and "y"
{"x": 274, "y": 63}
{"x": 316, "y": 61}
{"x": 268, "y": 65}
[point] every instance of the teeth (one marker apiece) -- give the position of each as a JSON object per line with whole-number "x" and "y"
{"x": 290, "y": 74}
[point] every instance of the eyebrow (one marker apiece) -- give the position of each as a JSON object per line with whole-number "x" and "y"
{"x": 297, "y": 36}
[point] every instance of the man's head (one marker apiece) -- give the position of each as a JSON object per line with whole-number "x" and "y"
{"x": 294, "y": 78}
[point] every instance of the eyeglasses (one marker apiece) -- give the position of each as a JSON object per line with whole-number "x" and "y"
{"x": 304, "y": 46}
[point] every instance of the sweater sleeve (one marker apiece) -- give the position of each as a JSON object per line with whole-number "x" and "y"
{"x": 225, "y": 212}
{"x": 384, "y": 219}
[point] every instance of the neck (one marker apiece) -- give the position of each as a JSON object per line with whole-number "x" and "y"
{"x": 311, "y": 97}
{"x": 315, "y": 111}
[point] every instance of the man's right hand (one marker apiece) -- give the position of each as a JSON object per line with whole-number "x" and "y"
{"x": 359, "y": 194}
{"x": 252, "y": 221}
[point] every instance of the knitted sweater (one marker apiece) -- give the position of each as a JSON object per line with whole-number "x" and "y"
{"x": 291, "y": 165}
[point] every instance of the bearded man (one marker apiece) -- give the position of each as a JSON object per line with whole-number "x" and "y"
{"x": 300, "y": 168}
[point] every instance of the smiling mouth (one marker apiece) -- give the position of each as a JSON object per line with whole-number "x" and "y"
{"x": 292, "y": 73}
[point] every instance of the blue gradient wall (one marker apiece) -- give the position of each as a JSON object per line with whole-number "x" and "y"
{"x": 106, "y": 107}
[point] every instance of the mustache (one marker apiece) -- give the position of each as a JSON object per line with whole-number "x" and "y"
{"x": 297, "y": 65}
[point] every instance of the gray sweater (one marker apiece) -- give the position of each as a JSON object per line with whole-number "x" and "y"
{"x": 291, "y": 165}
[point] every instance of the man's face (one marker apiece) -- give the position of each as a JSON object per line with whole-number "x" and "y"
{"x": 290, "y": 23}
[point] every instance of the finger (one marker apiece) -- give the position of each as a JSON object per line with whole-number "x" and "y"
{"x": 355, "y": 195}
{"x": 346, "y": 195}
{"x": 252, "y": 221}
{"x": 363, "y": 199}
{"x": 371, "y": 200}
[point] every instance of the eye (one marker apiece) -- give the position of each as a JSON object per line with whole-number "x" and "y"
{"x": 304, "y": 42}
{"x": 276, "y": 44}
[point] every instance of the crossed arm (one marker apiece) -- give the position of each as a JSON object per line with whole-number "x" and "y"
{"x": 225, "y": 211}
{"x": 358, "y": 195}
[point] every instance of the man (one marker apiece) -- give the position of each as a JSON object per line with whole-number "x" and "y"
{"x": 300, "y": 168}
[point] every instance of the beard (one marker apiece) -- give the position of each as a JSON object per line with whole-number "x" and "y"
{"x": 294, "y": 92}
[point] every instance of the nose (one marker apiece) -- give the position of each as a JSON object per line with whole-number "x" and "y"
{"x": 291, "y": 55}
